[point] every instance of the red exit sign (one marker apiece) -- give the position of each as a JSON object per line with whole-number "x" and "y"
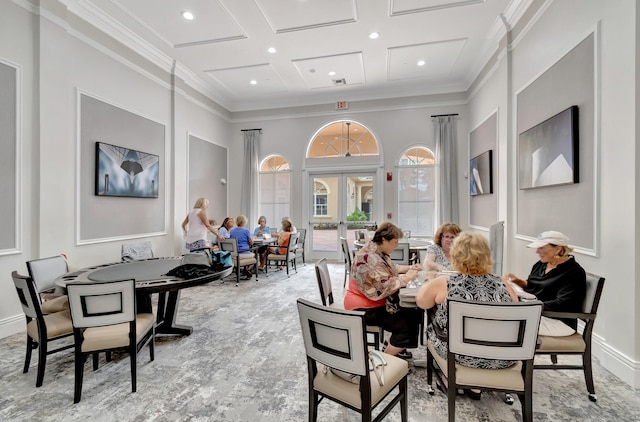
{"x": 342, "y": 105}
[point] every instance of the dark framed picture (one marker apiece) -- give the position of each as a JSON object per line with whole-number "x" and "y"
{"x": 548, "y": 152}
{"x": 122, "y": 171}
{"x": 481, "y": 174}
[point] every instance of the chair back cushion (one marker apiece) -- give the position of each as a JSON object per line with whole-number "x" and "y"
{"x": 293, "y": 244}
{"x": 334, "y": 337}
{"x": 400, "y": 255}
{"x": 302, "y": 235}
{"x": 324, "y": 282}
{"x": 345, "y": 251}
{"x": 595, "y": 284}
{"x": 230, "y": 244}
{"x": 27, "y": 294}
{"x": 494, "y": 330}
{"x": 44, "y": 271}
{"x": 134, "y": 251}
{"x": 99, "y": 304}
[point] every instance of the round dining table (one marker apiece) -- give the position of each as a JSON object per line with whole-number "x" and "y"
{"x": 150, "y": 276}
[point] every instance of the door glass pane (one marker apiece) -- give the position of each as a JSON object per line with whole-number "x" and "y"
{"x": 324, "y": 237}
{"x": 325, "y": 213}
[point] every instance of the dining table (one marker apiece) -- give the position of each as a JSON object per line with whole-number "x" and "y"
{"x": 150, "y": 276}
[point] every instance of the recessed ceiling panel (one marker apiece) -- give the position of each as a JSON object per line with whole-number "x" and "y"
{"x": 346, "y": 67}
{"x": 297, "y": 15}
{"x": 439, "y": 57}
{"x": 403, "y": 7}
{"x": 237, "y": 80}
{"x": 212, "y": 23}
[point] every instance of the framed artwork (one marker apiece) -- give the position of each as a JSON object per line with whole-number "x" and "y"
{"x": 548, "y": 152}
{"x": 481, "y": 174}
{"x": 122, "y": 171}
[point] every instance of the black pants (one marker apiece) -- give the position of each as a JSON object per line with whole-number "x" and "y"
{"x": 403, "y": 325}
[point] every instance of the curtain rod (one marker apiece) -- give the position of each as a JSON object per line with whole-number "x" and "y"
{"x": 249, "y": 130}
{"x": 444, "y": 115}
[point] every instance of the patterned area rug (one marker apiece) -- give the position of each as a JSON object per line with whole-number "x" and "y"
{"x": 245, "y": 361}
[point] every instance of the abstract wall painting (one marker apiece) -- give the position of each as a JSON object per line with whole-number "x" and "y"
{"x": 122, "y": 171}
{"x": 548, "y": 152}
{"x": 481, "y": 174}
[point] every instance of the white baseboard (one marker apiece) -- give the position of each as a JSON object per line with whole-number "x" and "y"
{"x": 615, "y": 362}
{"x": 12, "y": 325}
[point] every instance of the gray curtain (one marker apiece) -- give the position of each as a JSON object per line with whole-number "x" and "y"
{"x": 249, "y": 197}
{"x": 445, "y": 137}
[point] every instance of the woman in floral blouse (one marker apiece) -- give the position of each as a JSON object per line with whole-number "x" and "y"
{"x": 374, "y": 285}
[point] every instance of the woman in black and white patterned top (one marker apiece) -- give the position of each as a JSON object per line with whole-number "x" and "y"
{"x": 471, "y": 257}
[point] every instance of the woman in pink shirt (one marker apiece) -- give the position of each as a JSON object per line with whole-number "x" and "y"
{"x": 195, "y": 226}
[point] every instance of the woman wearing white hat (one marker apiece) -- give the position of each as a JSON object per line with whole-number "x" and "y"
{"x": 557, "y": 280}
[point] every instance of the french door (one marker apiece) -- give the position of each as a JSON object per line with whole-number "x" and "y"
{"x": 340, "y": 204}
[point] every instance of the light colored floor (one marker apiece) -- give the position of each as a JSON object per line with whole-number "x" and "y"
{"x": 245, "y": 362}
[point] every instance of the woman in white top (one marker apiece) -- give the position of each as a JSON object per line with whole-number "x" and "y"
{"x": 196, "y": 224}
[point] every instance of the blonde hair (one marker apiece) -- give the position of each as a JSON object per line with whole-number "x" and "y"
{"x": 471, "y": 254}
{"x": 446, "y": 227}
{"x": 287, "y": 226}
{"x": 241, "y": 220}
{"x": 201, "y": 203}
{"x": 261, "y": 218}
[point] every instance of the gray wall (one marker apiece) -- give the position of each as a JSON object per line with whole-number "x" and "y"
{"x": 570, "y": 81}
{"x": 8, "y": 162}
{"x": 483, "y": 209}
{"x": 207, "y": 168}
{"x": 104, "y": 217}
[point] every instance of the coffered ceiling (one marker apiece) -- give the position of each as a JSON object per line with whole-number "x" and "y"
{"x": 323, "y": 52}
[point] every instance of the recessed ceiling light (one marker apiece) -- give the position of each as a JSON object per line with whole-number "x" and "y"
{"x": 253, "y": 82}
{"x": 421, "y": 62}
{"x": 271, "y": 50}
{"x": 188, "y": 15}
{"x": 332, "y": 73}
{"x": 374, "y": 35}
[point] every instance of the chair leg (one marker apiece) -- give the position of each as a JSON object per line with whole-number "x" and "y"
{"x": 96, "y": 356}
{"x": 588, "y": 374}
{"x": 452, "y": 391}
{"x": 404, "y": 408}
{"x": 313, "y": 405}
{"x": 527, "y": 406}
{"x": 132, "y": 358}
{"x": 79, "y": 369}
{"x": 42, "y": 362}
{"x": 152, "y": 346}
{"x": 27, "y": 358}
{"x": 554, "y": 359}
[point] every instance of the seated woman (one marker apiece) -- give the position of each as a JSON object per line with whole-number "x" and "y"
{"x": 244, "y": 239}
{"x": 225, "y": 228}
{"x": 439, "y": 254}
{"x": 262, "y": 228}
{"x": 373, "y": 288}
{"x": 471, "y": 256}
{"x": 557, "y": 280}
{"x": 283, "y": 243}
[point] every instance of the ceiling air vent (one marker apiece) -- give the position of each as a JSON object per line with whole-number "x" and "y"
{"x": 338, "y": 82}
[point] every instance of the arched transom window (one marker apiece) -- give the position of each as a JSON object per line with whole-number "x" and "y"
{"x": 417, "y": 190}
{"x": 343, "y": 139}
